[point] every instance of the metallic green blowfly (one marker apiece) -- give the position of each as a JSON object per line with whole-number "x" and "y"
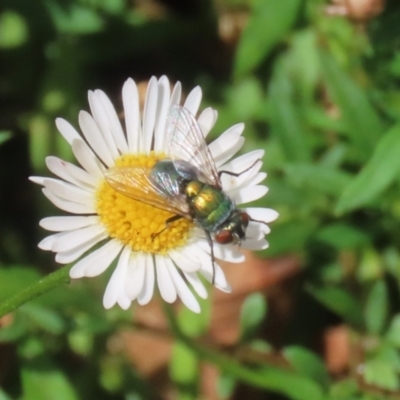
{"x": 187, "y": 184}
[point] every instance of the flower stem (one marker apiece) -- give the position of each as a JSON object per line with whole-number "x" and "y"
{"x": 40, "y": 287}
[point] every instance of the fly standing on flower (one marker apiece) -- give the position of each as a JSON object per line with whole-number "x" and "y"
{"x": 187, "y": 184}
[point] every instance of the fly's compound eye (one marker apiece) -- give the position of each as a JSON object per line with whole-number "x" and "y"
{"x": 224, "y": 236}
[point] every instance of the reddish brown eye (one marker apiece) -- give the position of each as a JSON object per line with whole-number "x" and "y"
{"x": 245, "y": 218}
{"x": 224, "y": 237}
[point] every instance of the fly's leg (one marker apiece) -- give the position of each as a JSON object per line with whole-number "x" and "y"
{"x": 167, "y": 223}
{"x": 210, "y": 242}
{"x": 240, "y": 173}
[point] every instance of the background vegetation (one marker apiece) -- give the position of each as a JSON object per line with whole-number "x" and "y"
{"x": 315, "y": 316}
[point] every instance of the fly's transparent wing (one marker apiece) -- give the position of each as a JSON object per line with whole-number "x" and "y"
{"x": 187, "y": 143}
{"x": 138, "y": 183}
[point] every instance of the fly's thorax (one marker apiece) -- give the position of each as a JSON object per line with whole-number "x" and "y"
{"x": 193, "y": 188}
{"x": 233, "y": 230}
{"x": 210, "y": 207}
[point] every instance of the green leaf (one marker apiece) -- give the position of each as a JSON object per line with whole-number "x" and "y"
{"x": 245, "y": 98}
{"x": 304, "y": 62}
{"x": 269, "y": 22}
{"x": 376, "y": 308}
{"x": 370, "y": 266}
{"x": 75, "y": 18}
{"x": 13, "y": 30}
{"x": 3, "y": 395}
{"x": 4, "y": 135}
{"x": 382, "y": 374}
{"x": 289, "y": 237}
{"x": 344, "y": 390}
{"x": 44, "y": 318}
{"x": 319, "y": 177}
{"x": 307, "y": 363}
{"x": 363, "y": 124}
{"x": 393, "y": 333}
{"x": 41, "y": 379}
{"x": 192, "y": 324}
{"x": 252, "y": 315}
{"x": 15, "y": 331}
{"x": 389, "y": 355}
{"x": 286, "y": 121}
{"x": 340, "y": 302}
{"x": 342, "y": 236}
{"x": 294, "y": 386}
{"x": 225, "y": 387}
{"x": 184, "y": 365}
{"x": 380, "y": 171}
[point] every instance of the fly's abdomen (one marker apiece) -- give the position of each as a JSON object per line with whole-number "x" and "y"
{"x": 211, "y": 207}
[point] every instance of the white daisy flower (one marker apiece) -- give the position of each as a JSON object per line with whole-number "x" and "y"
{"x": 128, "y": 230}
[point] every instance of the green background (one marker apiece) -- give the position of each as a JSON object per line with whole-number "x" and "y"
{"x": 319, "y": 93}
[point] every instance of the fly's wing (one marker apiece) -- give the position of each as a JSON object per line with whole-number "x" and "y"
{"x": 136, "y": 183}
{"x": 186, "y": 142}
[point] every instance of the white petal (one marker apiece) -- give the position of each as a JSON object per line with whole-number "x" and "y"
{"x": 123, "y": 301}
{"x": 165, "y": 283}
{"x": 67, "y": 223}
{"x": 100, "y": 118}
{"x": 262, "y": 214}
{"x": 68, "y": 132}
{"x": 68, "y": 206}
{"x": 220, "y": 281}
{"x": 226, "y": 145}
{"x": 94, "y": 137}
{"x": 67, "y": 257}
{"x": 81, "y": 176}
{"x": 149, "y": 114}
{"x": 243, "y": 162}
{"x": 182, "y": 289}
{"x": 148, "y": 288}
{"x": 193, "y": 100}
{"x": 207, "y": 120}
{"x": 70, "y": 172}
{"x": 115, "y": 285}
{"x": 256, "y": 230}
{"x": 255, "y": 244}
{"x": 207, "y": 270}
{"x": 130, "y": 98}
{"x": 183, "y": 258}
{"x": 253, "y": 231}
{"x": 72, "y": 239}
{"x": 67, "y": 191}
{"x": 135, "y": 276}
{"x": 247, "y": 194}
{"x": 113, "y": 122}
{"x": 87, "y": 159}
{"x": 39, "y": 180}
{"x": 248, "y": 179}
{"x": 197, "y": 284}
{"x": 96, "y": 262}
{"x": 255, "y": 180}
{"x": 226, "y": 252}
{"x": 239, "y": 166}
{"x": 176, "y": 94}
{"x": 47, "y": 242}
{"x": 164, "y": 92}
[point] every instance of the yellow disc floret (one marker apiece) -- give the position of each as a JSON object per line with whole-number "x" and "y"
{"x": 136, "y": 223}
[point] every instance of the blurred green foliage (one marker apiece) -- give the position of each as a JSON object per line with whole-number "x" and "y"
{"x": 319, "y": 93}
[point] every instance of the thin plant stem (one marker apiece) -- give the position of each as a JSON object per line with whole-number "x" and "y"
{"x": 44, "y": 285}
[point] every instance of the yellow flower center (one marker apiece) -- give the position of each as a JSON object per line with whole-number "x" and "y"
{"x": 135, "y": 223}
